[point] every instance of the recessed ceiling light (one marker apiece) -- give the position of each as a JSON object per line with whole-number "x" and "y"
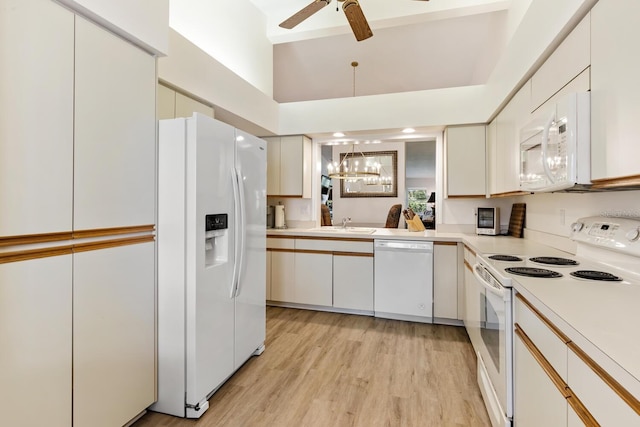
{"x": 377, "y": 141}
{"x": 338, "y": 134}
{"x": 408, "y": 130}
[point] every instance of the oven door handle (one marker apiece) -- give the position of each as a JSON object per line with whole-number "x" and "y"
{"x": 500, "y": 292}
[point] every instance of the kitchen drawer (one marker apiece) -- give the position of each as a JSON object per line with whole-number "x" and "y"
{"x": 280, "y": 243}
{"x": 603, "y": 401}
{"x": 334, "y": 245}
{"x": 547, "y": 338}
{"x": 469, "y": 255}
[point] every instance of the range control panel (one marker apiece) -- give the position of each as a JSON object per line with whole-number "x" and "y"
{"x": 621, "y": 234}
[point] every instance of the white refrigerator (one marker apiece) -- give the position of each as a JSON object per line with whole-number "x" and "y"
{"x": 211, "y": 258}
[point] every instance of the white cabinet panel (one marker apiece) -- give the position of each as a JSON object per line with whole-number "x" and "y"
{"x": 113, "y": 334}
{"x": 185, "y": 106}
{"x": 567, "y": 61}
{"x": 166, "y": 103}
{"x": 465, "y": 164}
{"x": 268, "y": 281}
{"x": 615, "y": 92}
{"x": 289, "y": 166}
{"x": 445, "y": 281}
{"x": 550, "y": 345}
{"x": 314, "y": 279}
{"x": 537, "y": 401}
{"x": 36, "y": 117}
{"x": 115, "y": 131}
{"x": 492, "y": 153}
{"x": 282, "y": 276}
{"x": 508, "y": 124}
{"x": 35, "y": 342}
{"x": 599, "y": 399}
{"x": 353, "y": 282}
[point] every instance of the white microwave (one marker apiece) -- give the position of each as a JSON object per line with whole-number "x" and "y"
{"x": 488, "y": 221}
{"x": 555, "y": 146}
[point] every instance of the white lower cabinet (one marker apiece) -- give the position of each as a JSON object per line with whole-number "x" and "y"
{"x": 537, "y": 401}
{"x": 268, "y": 281}
{"x": 556, "y": 383}
{"x": 600, "y": 399}
{"x": 113, "y": 334}
{"x": 282, "y": 276}
{"x": 35, "y": 342}
{"x": 353, "y": 282}
{"x": 313, "y": 278}
{"x": 445, "y": 280}
{"x": 320, "y": 272}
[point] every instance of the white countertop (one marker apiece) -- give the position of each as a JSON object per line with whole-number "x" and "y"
{"x": 602, "y": 318}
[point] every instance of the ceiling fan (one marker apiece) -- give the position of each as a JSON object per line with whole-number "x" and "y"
{"x": 352, "y": 11}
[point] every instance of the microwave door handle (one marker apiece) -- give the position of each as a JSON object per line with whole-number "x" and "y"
{"x": 487, "y": 286}
{"x": 545, "y": 146}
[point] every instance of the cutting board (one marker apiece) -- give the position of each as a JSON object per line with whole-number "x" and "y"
{"x": 516, "y": 222}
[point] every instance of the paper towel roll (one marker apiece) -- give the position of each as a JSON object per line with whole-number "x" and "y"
{"x": 280, "y": 216}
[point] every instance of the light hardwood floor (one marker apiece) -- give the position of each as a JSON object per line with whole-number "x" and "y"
{"x": 327, "y": 369}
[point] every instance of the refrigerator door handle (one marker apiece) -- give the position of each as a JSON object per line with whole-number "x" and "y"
{"x": 242, "y": 231}
{"x": 237, "y": 226}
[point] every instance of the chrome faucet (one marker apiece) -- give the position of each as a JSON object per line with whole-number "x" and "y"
{"x": 345, "y": 221}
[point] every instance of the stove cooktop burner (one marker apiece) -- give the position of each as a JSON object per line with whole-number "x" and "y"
{"x": 595, "y": 275}
{"x": 532, "y": 272}
{"x": 509, "y": 258}
{"x": 550, "y": 260}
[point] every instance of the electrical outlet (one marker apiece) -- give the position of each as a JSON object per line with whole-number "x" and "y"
{"x": 562, "y": 216}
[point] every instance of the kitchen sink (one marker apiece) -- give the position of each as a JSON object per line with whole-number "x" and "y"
{"x": 338, "y": 229}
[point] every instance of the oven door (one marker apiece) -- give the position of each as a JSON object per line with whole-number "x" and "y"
{"x": 494, "y": 346}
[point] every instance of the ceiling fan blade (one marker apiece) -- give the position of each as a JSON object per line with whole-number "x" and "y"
{"x": 304, "y": 13}
{"x": 358, "y": 22}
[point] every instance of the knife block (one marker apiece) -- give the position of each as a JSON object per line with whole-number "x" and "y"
{"x": 415, "y": 224}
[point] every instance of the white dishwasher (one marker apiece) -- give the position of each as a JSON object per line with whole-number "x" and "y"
{"x": 403, "y": 280}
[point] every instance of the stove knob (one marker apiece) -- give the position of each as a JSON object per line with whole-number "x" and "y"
{"x": 576, "y": 227}
{"x": 633, "y": 235}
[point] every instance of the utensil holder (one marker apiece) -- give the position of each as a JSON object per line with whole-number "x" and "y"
{"x": 415, "y": 224}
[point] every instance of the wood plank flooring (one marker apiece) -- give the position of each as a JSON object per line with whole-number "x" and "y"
{"x": 327, "y": 369}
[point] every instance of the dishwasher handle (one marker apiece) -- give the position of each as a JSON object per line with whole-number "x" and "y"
{"x": 403, "y": 245}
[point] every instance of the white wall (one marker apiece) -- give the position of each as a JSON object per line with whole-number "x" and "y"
{"x": 554, "y": 212}
{"x": 192, "y": 70}
{"x": 232, "y": 32}
{"x": 143, "y": 22}
{"x": 543, "y": 24}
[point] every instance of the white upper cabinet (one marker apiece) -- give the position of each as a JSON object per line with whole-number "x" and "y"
{"x": 186, "y": 106}
{"x": 289, "y": 166}
{"x": 505, "y": 164}
{"x": 172, "y": 104}
{"x": 36, "y": 117}
{"x": 166, "y": 103}
{"x": 568, "y": 60}
{"x": 465, "y": 164}
{"x": 115, "y": 131}
{"x": 615, "y": 91}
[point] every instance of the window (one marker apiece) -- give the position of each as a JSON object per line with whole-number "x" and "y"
{"x": 417, "y": 199}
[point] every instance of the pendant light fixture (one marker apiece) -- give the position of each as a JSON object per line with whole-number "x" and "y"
{"x": 353, "y": 166}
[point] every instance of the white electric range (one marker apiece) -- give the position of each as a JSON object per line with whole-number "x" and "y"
{"x": 607, "y": 259}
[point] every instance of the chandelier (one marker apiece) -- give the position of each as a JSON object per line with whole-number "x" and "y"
{"x": 354, "y": 166}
